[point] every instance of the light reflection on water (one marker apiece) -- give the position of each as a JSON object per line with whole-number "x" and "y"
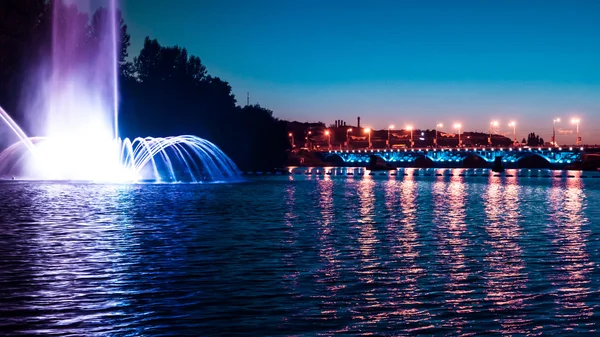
{"x": 505, "y": 274}
{"x": 303, "y": 255}
{"x": 572, "y": 277}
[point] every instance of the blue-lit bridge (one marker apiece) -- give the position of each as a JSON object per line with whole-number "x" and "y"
{"x": 461, "y": 157}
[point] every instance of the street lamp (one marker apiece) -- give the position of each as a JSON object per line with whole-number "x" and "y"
{"x": 347, "y": 138}
{"x": 458, "y": 126}
{"x": 410, "y": 128}
{"x": 368, "y": 131}
{"x": 438, "y": 125}
{"x": 291, "y": 135}
{"x": 554, "y": 130}
{"x": 514, "y": 125}
{"x": 389, "y": 144}
{"x": 576, "y": 122}
{"x": 328, "y": 134}
{"x": 492, "y": 125}
{"x": 308, "y": 133}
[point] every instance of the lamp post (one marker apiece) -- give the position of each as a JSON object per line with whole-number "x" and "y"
{"x": 458, "y": 126}
{"x": 554, "y": 130}
{"x": 291, "y": 135}
{"x": 576, "y": 122}
{"x": 514, "y": 125}
{"x": 347, "y": 138}
{"x": 492, "y": 124}
{"x": 328, "y": 134}
{"x": 308, "y": 133}
{"x": 438, "y": 125}
{"x": 389, "y": 141}
{"x": 410, "y": 128}
{"x": 368, "y": 131}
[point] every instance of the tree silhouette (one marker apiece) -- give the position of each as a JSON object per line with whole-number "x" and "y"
{"x": 164, "y": 91}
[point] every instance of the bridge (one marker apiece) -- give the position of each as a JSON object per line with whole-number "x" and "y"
{"x": 461, "y": 157}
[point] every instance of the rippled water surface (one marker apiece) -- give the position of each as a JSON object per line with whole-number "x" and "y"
{"x": 303, "y": 255}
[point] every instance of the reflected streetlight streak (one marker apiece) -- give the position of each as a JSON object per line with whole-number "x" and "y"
{"x": 328, "y": 273}
{"x": 290, "y": 279}
{"x": 404, "y": 246}
{"x": 505, "y": 272}
{"x": 449, "y": 203}
{"x": 572, "y": 277}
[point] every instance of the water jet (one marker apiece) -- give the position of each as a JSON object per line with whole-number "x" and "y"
{"x": 79, "y": 109}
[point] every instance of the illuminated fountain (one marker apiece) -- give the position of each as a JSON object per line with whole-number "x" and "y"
{"x": 78, "y": 110}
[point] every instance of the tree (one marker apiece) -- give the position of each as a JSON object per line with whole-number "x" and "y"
{"x": 173, "y": 94}
{"x": 164, "y": 91}
{"x": 534, "y": 140}
{"x": 21, "y": 25}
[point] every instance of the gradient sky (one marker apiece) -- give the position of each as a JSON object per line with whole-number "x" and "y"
{"x": 395, "y": 62}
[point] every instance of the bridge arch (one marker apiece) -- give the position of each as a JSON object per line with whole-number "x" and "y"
{"x": 335, "y": 158}
{"x": 475, "y": 160}
{"x": 424, "y": 161}
{"x": 533, "y": 160}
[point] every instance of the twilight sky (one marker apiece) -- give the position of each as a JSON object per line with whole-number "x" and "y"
{"x": 396, "y": 62}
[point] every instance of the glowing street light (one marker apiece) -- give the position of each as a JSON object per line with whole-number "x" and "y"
{"x": 307, "y": 140}
{"x": 492, "y": 125}
{"x": 554, "y": 130}
{"x": 368, "y": 131}
{"x": 458, "y": 126}
{"x": 576, "y": 122}
{"x": 410, "y": 128}
{"x": 438, "y": 125}
{"x": 514, "y": 126}
{"x": 389, "y": 144}
{"x": 291, "y": 135}
{"x": 328, "y": 134}
{"x": 347, "y": 138}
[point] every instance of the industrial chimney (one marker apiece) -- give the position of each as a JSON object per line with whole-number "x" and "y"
{"x": 358, "y": 122}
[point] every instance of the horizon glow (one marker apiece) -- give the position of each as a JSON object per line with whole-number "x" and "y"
{"x": 417, "y": 62}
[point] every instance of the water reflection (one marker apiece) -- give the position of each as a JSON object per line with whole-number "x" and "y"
{"x": 290, "y": 217}
{"x": 449, "y": 201}
{"x": 80, "y": 266}
{"x": 328, "y": 274}
{"x": 505, "y": 274}
{"x": 368, "y": 313}
{"x": 405, "y": 245}
{"x": 570, "y": 236}
{"x": 374, "y": 255}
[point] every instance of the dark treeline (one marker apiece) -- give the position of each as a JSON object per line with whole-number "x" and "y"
{"x": 164, "y": 90}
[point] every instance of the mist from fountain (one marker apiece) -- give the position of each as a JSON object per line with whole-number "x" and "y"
{"x": 78, "y": 105}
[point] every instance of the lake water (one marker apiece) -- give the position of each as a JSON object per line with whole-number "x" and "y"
{"x": 304, "y": 255}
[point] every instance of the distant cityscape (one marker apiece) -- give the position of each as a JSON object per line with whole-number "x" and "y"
{"x": 340, "y": 135}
